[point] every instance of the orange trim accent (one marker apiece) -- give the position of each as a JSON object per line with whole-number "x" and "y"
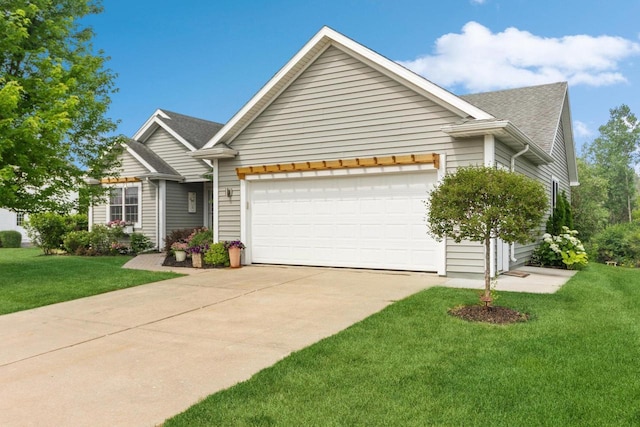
{"x": 119, "y": 180}
{"x": 407, "y": 159}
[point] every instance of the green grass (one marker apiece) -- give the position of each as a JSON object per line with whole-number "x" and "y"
{"x": 576, "y": 363}
{"x": 29, "y": 279}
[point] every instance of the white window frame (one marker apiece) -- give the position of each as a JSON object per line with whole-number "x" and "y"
{"x": 20, "y": 219}
{"x": 555, "y": 192}
{"x": 138, "y": 224}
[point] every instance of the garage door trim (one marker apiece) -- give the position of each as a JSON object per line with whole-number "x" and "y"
{"x": 245, "y": 191}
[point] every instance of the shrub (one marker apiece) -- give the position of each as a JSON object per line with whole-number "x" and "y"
{"x": 619, "y": 243}
{"x": 118, "y": 248}
{"x": 46, "y": 230}
{"x": 74, "y": 240}
{"x": 217, "y": 255}
{"x": 140, "y": 243}
{"x": 200, "y": 241}
{"x": 175, "y": 236}
{"x": 560, "y": 217}
{"x": 100, "y": 239}
{"x": 563, "y": 250}
{"x": 10, "y": 239}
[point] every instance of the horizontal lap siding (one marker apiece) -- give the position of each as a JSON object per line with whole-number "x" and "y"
{"x": 130, "y": 167}
{"x": 178, "y": 215}
{"x": 340, "y": 108}
{"x": 543, "y": 173}
{"x": 176, "y": 155}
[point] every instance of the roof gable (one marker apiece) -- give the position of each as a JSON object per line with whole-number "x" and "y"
{"x": 149, "y": 159}
{"x": 538, "y": 112}
{"x": 535, "y": 110}
{"x": 324, "y": 39}
{"x": 192, "y": 132}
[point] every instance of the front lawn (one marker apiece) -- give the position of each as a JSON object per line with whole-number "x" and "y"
{"x": 576, "y": 363}
{"x": 29, "y": 279}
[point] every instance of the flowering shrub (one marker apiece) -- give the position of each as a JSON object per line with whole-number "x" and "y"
{"x": 179, "y": 246}
{"x": 119, "y": 248}
{"x": 234, "y": 244}
{"x": 118, "y": 223}
{"x": 564, "y": 250}
{"x": 199, "y": 241}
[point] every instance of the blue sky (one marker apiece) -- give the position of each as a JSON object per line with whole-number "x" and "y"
{"x": 208, "y": 58}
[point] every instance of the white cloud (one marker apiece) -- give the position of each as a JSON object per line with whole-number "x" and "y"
{"x": 582, "y": 129}
{"x": 481, "y": 60}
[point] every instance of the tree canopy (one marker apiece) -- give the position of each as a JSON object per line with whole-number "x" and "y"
{"x": 615, "y": 154}
{"x": 482, "y": 203}
{"x": 54, "y": 96}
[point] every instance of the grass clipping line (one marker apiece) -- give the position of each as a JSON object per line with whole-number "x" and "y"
{"x": 496, "y": 315}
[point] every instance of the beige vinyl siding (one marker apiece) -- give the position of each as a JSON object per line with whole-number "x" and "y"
{"x": 130, "y": 167}
{"x": 149, "y": 225}
{"x": 176, "y": 155}
{"x": 340, "y": 108}
{"x": 178, "y": 215}
{"x": 544, "y": 173}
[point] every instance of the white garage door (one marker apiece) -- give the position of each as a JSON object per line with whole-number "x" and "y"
{"x": 368, "y": 221}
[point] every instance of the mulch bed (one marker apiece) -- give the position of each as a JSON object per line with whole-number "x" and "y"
{"x": 170, "y": 261}
{"x": 495, "y": 315}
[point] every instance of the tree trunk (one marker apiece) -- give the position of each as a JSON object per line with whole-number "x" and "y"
{"x": 626, "y": 176}
{"x": 487, "y": 271}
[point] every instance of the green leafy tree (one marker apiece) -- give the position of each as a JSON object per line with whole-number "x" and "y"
{"x": 588, "y": 201}
{"x": 482, "y": 203}
{"x": 54, "y": 94}
{"x": 615, "y": 154}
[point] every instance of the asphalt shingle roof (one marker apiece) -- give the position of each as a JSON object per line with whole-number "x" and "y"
{"x": 535, "y": 110}
{"x": 196, "y": 131}
{"x": 152, "y": 158}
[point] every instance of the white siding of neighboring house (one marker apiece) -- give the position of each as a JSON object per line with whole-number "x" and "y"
{"x": 176, "y": 154}
{"x": 341, "y": 108}
{"x": 8, "y": 221}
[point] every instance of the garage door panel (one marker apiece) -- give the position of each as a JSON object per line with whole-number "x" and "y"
{"x": 369, "y": 221}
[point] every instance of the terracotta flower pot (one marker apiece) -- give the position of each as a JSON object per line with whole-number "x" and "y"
{"x": 180, "y": 255}
{"x": 196, "y": 260}
{"x": 234, "y": 257}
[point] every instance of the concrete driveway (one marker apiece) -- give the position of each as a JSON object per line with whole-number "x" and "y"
{"x": 138, "y": 356}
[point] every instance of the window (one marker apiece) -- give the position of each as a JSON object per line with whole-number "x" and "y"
{"x": 20, "y": 219}
{"x": 555, "y": 190}
{"x": 124, "y": 204}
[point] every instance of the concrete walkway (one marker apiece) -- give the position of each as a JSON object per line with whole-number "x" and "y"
{"x": 140, "y": 355}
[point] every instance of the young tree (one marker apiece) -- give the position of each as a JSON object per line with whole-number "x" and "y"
{"x": 615, "y": 155}
{"x": 54, "y": 94}
{"x": 483, "y": 203}
{"x": 588, "y": 201}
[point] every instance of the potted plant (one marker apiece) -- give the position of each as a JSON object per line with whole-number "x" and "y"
{"x": 234, "y": 247}
{"x": 179, "y": 249}
{"x": 196, "y": 254}
{"x": 199, "y": 243}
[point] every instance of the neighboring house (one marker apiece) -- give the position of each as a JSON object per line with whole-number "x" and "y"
{"x": 330, "y": 163}
{"x": 10, "y": 220}
{"x": 160, "y": 187}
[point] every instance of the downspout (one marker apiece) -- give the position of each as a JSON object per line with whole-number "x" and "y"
{"x": 513, "y": 169}
{"x": 157, "y": 201}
